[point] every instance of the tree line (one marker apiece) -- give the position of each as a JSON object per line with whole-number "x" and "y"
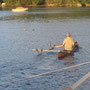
{"x": 42, "y": 2}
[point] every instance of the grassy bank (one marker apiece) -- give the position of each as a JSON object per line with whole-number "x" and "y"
{"x": 46, "y": 2}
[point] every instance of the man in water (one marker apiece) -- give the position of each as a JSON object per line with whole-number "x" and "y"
{"x": 68, "y": 43}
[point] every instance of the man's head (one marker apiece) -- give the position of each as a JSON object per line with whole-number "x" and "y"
{"x": 68, "y": 35}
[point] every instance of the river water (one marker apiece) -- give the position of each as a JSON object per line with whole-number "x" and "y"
{"x": 36, "y": 28}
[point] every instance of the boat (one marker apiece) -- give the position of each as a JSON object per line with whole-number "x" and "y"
{"x": 19, "y": 9}
{"x": 60, "y": 54}
{"x": 3, "y": 4}
{"x": 65, "y": 53}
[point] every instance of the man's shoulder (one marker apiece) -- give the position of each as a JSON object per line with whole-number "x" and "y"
{"x": 70, "y": 38}
{"x": 67, "y": 38}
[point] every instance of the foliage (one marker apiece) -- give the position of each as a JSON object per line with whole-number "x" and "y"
{"x": 66, "y": 1}
{"x": 81, "y": 1}
{"x": 84, "y": 1}
{"x": 17, "y": 2}
{"x": 37, "y": 2}
{"x": 54, "y": 1}
{"x": 24, "y": 2}
{"x": 1, "y": 1}
{"x": 40, "y": 2}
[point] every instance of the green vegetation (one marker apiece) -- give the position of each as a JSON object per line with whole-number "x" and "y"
{"x": 1, "y": 1}
{"x": 17, "y": 2}
{"x": 24, "y": 2}
{"x": 37, "y": 2}
{"x": 42, "y": 2}
{"x": 57, "y": 2}
{"x": 67, "y": 1}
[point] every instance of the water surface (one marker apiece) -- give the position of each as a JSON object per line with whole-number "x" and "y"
{"x": 43, "y": 25}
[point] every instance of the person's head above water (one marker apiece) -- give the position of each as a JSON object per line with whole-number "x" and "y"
{"x": 68, "y": 35}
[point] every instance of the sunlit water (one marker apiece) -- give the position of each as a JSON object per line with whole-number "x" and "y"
{"x": 43, "y": 26}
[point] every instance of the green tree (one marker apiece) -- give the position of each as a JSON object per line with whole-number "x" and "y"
{"x": 9, "y": 2}
{"x": 24, "y": 2}
{"x": 1, "y": 1}
{"x": 39, "y": 2}
{"x": 53, "y": 1}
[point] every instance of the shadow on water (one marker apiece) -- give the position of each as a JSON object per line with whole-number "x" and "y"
{"x": 51, "y": 53}
{"x": 68, "y": 59}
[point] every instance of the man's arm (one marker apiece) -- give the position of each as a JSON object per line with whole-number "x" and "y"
{"x": 58, "y": 46}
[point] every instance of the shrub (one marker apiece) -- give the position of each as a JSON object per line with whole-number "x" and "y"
{"x": 39, "y": 2}
{"x": 54, "y": 2}
{"x": 24, "y": 2}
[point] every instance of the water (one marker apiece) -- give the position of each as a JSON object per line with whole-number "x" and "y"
{"x": 43, "y": 25}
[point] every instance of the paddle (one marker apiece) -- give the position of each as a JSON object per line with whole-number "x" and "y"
{"x": 39, "y": 51}
{"x": 45, "y": 50}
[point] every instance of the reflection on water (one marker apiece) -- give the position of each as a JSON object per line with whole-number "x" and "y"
{"x": 68, "y": 59}
{"x": 46, "y": 13}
